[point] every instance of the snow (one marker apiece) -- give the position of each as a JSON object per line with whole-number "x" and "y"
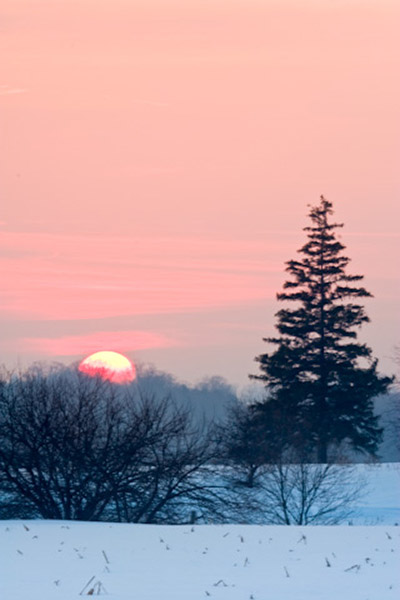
{"x": 56, "y": 560}
{"x": 60, "y": 560}
{"x": 380, "y": 503}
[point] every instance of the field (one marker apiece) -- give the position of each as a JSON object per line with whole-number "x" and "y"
{"x": 59, "y": 560}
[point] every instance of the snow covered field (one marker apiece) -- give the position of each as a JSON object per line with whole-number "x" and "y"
{"x": 56, "y": 560}
{"x": 45, "y": 560}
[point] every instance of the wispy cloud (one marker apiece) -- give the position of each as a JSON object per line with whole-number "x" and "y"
{"x": 149, "y": 102}
{"x": 81, "y": 277}
{"x": 8, "y": 90}
{"x": 373, "y": 234}
{"x": 73, "y": 345}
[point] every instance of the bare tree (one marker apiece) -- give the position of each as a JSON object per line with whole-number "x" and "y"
{"x": 309, "y": 494}
{"x": 78, "y": 447}
{"x": 63, "y": 437}
{"x": 245, "y": 445}
{"x": 258, "y": 434}
{"x": 173, "y": 480}
{"x": 281, "y": 484}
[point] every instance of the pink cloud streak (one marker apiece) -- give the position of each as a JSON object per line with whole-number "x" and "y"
{"x": 119, "y": 341}
{"x": 77, "y": 277}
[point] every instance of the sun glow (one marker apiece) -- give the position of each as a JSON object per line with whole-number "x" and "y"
{"x": 109, "y": 365}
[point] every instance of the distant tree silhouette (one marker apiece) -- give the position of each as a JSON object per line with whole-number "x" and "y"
{"x": 320, "y": 379}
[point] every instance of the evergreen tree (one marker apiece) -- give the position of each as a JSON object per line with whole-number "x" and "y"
{"x": 320, "y": 378}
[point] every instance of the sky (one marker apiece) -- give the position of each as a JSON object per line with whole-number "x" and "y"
{"x": 157, "y": 162}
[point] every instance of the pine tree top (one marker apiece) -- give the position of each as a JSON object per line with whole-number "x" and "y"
{"x": 322, "y": 263}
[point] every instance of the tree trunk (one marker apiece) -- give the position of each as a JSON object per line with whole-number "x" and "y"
{"x": 322, "y": 451}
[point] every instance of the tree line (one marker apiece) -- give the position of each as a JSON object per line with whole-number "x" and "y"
{"x": 78, "y": 447}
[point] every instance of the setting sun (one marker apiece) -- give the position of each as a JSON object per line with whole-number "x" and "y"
{"x": 109, "y": 365}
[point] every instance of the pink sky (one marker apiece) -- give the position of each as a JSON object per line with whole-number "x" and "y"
{"x": 157, "y": 160}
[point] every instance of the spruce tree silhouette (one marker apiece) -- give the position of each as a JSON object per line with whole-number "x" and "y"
{"x": 320, "y": 378}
